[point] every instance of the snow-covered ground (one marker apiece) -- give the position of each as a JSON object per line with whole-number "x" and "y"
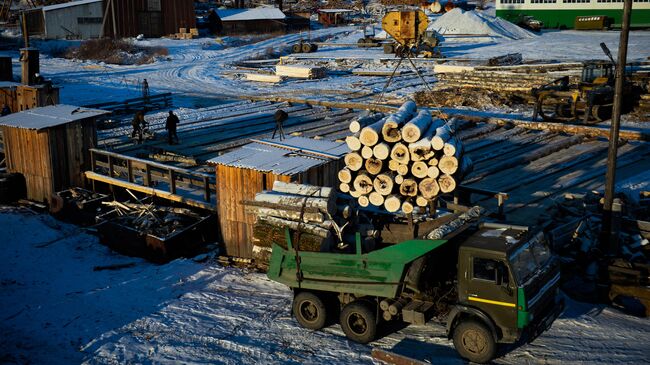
{"x": 57, "y": 308}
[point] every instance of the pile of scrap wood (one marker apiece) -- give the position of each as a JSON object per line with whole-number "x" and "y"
{"x": 403, "y": 161}
{"x": 159, "y": 221}
{"x": 591, "y": 261}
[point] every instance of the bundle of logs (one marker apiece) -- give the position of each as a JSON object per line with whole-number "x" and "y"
{"x": 403, "y": 161}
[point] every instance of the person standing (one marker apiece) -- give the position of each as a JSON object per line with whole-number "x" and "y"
{"x": 138, "y": 123}
{"x": 170, "y": 126}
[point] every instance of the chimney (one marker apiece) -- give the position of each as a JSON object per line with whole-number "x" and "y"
{"x": 29, "y": 60}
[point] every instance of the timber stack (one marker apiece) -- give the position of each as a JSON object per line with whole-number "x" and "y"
{"x": 403, "y": 161}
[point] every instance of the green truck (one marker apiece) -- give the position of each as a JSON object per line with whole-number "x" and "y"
{"x": 489, "y": 284}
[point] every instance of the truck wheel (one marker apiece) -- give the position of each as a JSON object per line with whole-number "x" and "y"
{"x": 359, "y": 322}
{"x": 309, "y": 310}
{"x": 297, "y": 48}
{"x": 474, "y": 342}
{"x": 306, "y": 48}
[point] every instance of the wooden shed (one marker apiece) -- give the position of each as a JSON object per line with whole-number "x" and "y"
{"x": 255, "y": 167}
{"x": 50, "y": 147}
{"x": 258, "y": 20}
{"x": 153, "y": 18}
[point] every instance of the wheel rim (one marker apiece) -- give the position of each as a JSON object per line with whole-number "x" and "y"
{"x": 357, "y": 323}
{"x": 474, "y": 342}
{"x": 308, "y": 311}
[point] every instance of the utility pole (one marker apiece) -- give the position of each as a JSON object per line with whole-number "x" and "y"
{"x": 608, "y": 237}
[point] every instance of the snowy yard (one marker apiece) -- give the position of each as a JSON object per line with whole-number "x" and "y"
{"x": 61, "y": 306}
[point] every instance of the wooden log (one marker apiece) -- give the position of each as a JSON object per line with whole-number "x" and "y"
{"x": 324, "y": 205}
{"x": 400, "y": 153}
{"x": 443, "y": 134}
{"x": 363, "y": 182}
{"x": 266, "y": 235}
{"x": 408, "y": 187}
{"x": 429, "y": 188}
{"x": 453, "y": 147}
{"x": 345, "y": 175}
{"x": 448, "y": 165}
{"x": 399, "y": 179}
{"x": 433, "y": 172}
{"x": 316, "y": 230}
{"x": 344, "y": 187}
{"x": 419, "y": 169}
{"x": 355, "y": 194}
{"x": 302, "y": 189}
{"x": 407, "y": 207}
{"x": 381, "y": 151}
{"x": 392, "y": 203}
{"x": 353, "y": 161}
{"x": 376, "y": 199}
{"x": 363, "y": 201}
{"x": 285, "y": 214}
{"x": 413, "y": 130}
{"x": 447, "y": 183}
{"x": 403, "y": 169}
{"x": 433, "y": 161}
{"x": 391, "y": 128}
{"x": 358, "y": 123}
{"x": 374, "y": 166}
{"x": 393, "y": 165}
{"x": 421, "y": 201}
{"x": 370, "y": 135}
{"x": 366, "y": 152}
{"x": 353, "y": 142}
{"x": 466, "y": 167}
{"x": 384, "y": 183}
{"x": 421, "y": 150}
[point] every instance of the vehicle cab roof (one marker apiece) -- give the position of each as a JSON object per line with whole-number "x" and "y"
{"x": 494, "y": 238}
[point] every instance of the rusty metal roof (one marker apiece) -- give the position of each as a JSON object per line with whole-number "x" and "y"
{"x": 49, "y": 116}
{"x": 287, "y": 157}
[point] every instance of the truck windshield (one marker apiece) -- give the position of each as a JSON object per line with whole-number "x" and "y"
{"x": 530, "y": 258}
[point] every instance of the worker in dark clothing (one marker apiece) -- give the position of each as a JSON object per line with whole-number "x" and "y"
{"x": 5, "y": 110}
{"x": 214, "y": 22}
{"x": 170, "y": 126}
{"x": 138, "y": 124}
{"x": 280, "y": 116}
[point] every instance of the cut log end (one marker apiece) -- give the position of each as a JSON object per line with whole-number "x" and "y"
{"x": 447, "y": 183}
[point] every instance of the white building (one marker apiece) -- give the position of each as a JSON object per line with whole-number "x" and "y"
{"x": 81, "y": 19}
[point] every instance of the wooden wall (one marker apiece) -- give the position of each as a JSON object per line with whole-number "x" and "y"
{"x": 52, "y": 159}
{"x": 235, "y": 185}
{"x": 153, "y": 18}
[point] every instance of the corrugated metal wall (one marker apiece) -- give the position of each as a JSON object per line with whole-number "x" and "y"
{"x": 153, "y": 18}
{"x": 74, "y": 22}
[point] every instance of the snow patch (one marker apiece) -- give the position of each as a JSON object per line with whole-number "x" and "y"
{"x": 459, "y": 21}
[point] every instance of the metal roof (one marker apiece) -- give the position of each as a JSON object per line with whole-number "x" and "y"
{"x": 287, "y": 157}
{"x": 6, "y": 84}
{"x": 49, "y": 116}
{"x": 335, "y": 10}
{"x": 67, "y": 5}
{"x": 261, "y": 13}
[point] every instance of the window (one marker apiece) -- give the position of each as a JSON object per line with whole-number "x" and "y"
{"x": 491, "y": 270}
{"x": 153, "y": 5}
{"x": 609, "y": 1}
{"x": 542, "y": 1}
{"x": 89, "y": 20}
{"x": 576, "y": 1}
{"x": 511, "y": 1}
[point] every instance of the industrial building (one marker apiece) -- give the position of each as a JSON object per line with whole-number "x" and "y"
{"x": 74, "y": 20}
{"x": 255, "y": 20}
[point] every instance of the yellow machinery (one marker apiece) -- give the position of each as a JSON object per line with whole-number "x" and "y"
{"x": 409, "y": 29}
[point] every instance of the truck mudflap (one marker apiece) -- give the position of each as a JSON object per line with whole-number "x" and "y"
{"x": 538, "y": 326}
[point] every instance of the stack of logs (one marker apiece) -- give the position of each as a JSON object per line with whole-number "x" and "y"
{"x": 403, "y": 161}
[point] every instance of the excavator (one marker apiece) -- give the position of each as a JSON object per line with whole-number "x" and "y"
{"x": 590, "y": 100}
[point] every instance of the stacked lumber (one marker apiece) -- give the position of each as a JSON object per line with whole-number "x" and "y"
{"x": 265, "y": 78}
{"x": 404, "y": 161}
{"x": 186, "y": 33}
{"x": 301, "y": 72}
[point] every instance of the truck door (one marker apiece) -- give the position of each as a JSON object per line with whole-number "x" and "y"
{"x": 491, "y": 288}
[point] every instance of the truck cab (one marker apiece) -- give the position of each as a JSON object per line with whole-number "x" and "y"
{"x": 507, "y": 289}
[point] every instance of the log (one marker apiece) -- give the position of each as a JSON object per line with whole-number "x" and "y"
{"x": 433, "y": 172}
{"x": 407, "y": 207}
{"x": 413, "y": 130}
{"x": 355, "y": 194}
{"x": 383, "y": 183}
{"x": 447, "y": 183}
{"x": 391, "y": 128}
{"x": 316, "y": 230}
{"x": 363, "y": 201}
{"x": 419, "y": 169}
{"x": 403, "y": 169}
{"x": 400, "y": 153}
{"x": 421, "y": 201}
{"x": 344, "y": 187}
{"x": 345, "y": 175}
{"x": 399, "y": 179}
{"x": 466, "y": 167}
{"x": 453, "y": 147}
{"x": 381, "y": 151}
{"x": 443, "y": 134}
{"x": 363, "y": 183}
{"x": 376, "y": 199}
{"x": 408, "y": 187}
{"x": 374, "y": 166}
{"x": 322, "y": 204}
{"x": 429, "y": 188}
{"x": 433, "y": 161}
{"x": 360, "y": 122}
{"x": 366, "y": 152}
{"x": 370, "y": 135}
{"x": 392, "y": 203}
{"x": 353, "y": 161}
{"x": 448, "y": 165}
{"x": 302, "y": 189}
{"x": 393, "y": 165}
{"x": 447, "y": 228}
{"x": 266, "y": 235}
{"x": 285, "y": 214}
{"x": 353, "y": 142}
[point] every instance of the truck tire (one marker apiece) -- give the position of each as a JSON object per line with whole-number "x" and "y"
{"x": 474, "y": 342}
{"x": 297, "y": 48}
{"x": 306, "y": 48}
{"x": 359, "y": 322}
{"x": 309, "y": 310}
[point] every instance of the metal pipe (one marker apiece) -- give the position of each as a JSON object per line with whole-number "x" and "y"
{"x": 610, "y": 177}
